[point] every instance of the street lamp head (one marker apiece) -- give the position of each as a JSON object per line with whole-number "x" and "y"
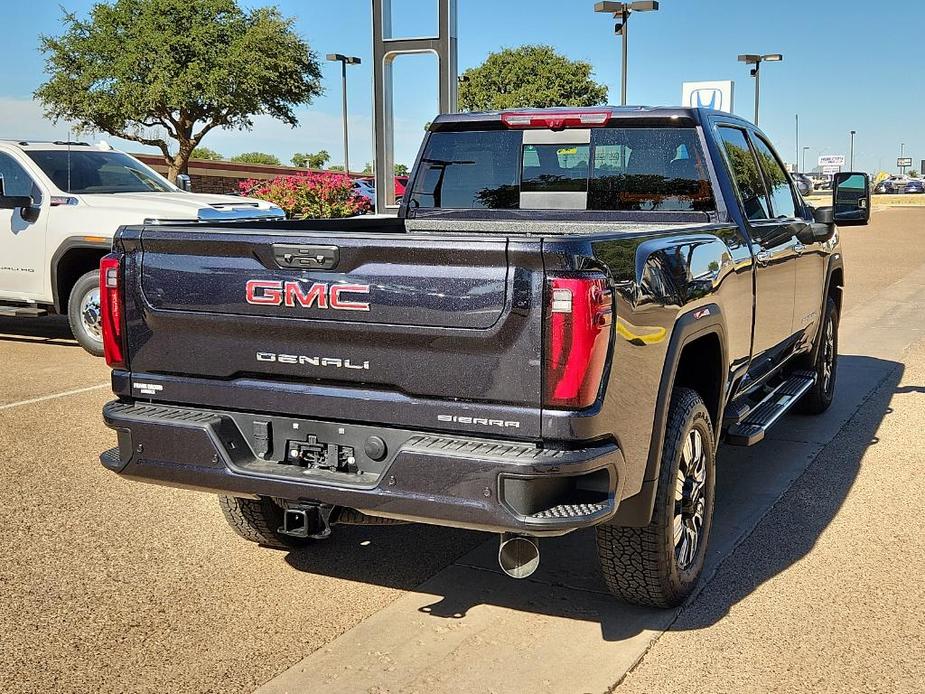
{"x": 610, "y": 7}
{"x": 341, "y": 58}
{"x": 644, "y": 6}
{"x": 773, "y": 57}
{"x": 750, "y": 58}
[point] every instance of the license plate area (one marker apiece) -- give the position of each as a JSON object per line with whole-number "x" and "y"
{"x": 314, "y": 450}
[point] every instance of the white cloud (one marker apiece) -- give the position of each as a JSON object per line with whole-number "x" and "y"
{"x": 23, "y": 119}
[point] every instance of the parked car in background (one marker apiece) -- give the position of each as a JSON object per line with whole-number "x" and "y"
{"x": 366, "y": 188}
{"x": 900, "y": 185}
{"x": 804, "y": 183}
{"x": 60, "y": 205}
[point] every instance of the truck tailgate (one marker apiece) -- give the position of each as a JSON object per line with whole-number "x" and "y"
{"x": 446, "y": 323}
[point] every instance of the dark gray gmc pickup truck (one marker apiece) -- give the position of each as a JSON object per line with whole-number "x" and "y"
{"x": 572, "y": 310}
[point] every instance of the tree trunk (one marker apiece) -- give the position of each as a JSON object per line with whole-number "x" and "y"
{"x": 172, "y": 169}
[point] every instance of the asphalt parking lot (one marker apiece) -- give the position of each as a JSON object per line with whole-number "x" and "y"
{"x": 815, "y": 577}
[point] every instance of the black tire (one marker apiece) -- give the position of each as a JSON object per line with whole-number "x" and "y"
{"x": 818, "y": 398}
{"x": 258, "y": 521}
{"x": 648, "y": 566}
{"x": 83, "y": 312}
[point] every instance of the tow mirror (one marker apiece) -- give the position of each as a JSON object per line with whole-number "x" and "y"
{"x": 851, "y": 197}
{"x": 184, "y": 182}
{"x": 23, "y": 203}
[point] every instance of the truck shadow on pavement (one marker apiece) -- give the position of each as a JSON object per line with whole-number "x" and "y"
{"x": 800, "y": 468}
{"x": 46, "y": 329}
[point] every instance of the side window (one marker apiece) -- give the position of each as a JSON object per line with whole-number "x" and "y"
{"x": 16, "y": 180}
{"x": 747, "y": 174}
{"x": 782, "y": 200}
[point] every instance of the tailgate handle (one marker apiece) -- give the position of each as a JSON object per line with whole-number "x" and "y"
{"x": 300, "y": 257}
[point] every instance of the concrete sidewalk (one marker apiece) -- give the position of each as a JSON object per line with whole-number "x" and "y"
{"x": 471, "y": 628}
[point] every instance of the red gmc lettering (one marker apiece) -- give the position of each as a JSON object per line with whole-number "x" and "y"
{"x": 337, "y": 302}
{"x": 269, "y": 292}
{"x": 291, "y": 293}
{"x": 317, "y": 293}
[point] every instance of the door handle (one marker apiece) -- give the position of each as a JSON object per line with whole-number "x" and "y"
{"x": 763, "y": 257}
{"x": 799, "y": 248}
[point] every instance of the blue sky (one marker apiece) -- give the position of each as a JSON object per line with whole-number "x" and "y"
{"x": 848, "y": 64}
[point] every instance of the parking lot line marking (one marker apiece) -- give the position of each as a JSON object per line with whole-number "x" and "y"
{"x": 54, "y": 396}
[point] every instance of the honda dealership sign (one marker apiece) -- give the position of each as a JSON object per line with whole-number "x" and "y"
{"x": 715, "y": 95}
{"x": 832, "y": 160}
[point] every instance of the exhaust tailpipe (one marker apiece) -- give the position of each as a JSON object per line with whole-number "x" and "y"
{"x": 518, "y": 555}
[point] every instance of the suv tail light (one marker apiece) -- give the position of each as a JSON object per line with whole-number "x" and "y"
{"x": 555, "y": 120}
{"x": 577, "y": 339}
{"x": 111, "y": 310}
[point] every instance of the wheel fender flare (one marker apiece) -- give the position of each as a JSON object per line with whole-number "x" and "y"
{"x": 836, "y": 262}
{"x": 636, "y": 511}
{"x": 70, "y": 244}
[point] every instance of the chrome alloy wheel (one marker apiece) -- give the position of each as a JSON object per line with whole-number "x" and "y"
{"x": 90, "y": 314}
{"x": 689, "y": 503}
{"x": 828, "y": 355}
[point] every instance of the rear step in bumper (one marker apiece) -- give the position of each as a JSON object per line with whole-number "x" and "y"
{"x": 460, "y": 482}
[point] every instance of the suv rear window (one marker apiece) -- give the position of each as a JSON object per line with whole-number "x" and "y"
{"x": 622, "y": 169}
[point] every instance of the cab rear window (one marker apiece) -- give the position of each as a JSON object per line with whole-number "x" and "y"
{"x": 621, "y": 169}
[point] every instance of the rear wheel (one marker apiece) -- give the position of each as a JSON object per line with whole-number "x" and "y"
{"x": 659, "y": 565}
{"x": 84, "y": 314}
{"x": 820, "y": 396}
{"x": 258, "y": 520}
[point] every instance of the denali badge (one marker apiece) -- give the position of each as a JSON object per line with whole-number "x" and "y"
{"x": 301, "y": 359}
{"x": 503, "y": 423}
{"x": 320, "y": 294}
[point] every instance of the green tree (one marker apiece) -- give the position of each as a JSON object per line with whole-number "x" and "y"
{"x": 256, "y": 158}
{"x": 913, "y": 173}
{"x": 401, "y": 169}
{"x": 368, "y": 169}
{"x": 151, "y": 71}
{"x": 529, "y": 76}
{"x": 205, "y": 153}
{"x": 336, "y": 167}
{"x": 311, "y": 161}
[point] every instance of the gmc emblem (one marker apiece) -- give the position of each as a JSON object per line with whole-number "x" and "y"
{"x": 320, "y": 295}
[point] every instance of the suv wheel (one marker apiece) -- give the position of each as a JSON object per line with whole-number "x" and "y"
{"x": 83, "y": 313}
{"x": 659, "y": 565}
{"x": 258, "y": 520}
{"x": 820, "y": 396}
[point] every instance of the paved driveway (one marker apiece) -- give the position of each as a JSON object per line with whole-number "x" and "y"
{"x": 113, "y": 586}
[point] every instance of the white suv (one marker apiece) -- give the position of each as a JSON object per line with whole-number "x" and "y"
{"x": 60, "y": 205}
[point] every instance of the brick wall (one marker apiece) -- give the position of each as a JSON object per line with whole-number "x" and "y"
{"x": 222, "y": 177}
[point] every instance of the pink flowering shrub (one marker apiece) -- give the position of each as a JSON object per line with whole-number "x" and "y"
{"x": 312, "y": 194}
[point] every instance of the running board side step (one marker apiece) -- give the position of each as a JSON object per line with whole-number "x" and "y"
{"x": 7, "y": 311}
{"x": 752, "y": 428}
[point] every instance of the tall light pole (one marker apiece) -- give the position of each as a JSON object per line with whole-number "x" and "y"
{"x": 902, "y": 154}
{"x": 621, "y": 12}
{"x": 344, "y": 61}
{"x": 851, "y": 155}
{"x": 756, "y": 60}
{"x": 806, "y": 147}
{"x": 796, "y": 162}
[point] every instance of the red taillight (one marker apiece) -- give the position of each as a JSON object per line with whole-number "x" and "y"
{"x": 111, "y": 310}
{"x": 577, "y": 339}
{"x": 555, "y": 120}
